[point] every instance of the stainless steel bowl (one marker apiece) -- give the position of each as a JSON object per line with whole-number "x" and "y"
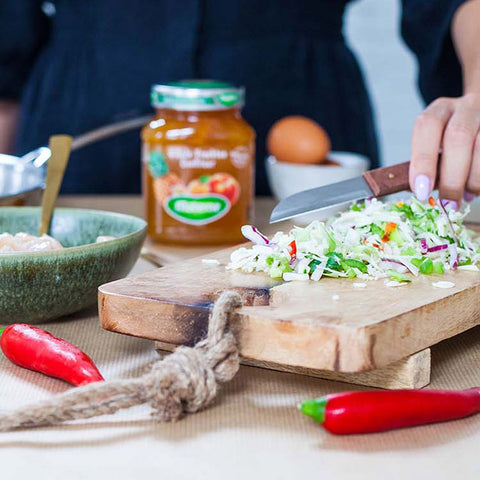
{"x": 19, "y": 182}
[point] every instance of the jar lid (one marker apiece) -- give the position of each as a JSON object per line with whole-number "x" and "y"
{"x": 197, "y": 95}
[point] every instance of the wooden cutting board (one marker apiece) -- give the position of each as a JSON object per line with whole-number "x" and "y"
{"x": 327, "y": 325}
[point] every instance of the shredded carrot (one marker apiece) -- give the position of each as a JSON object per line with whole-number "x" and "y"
{"x": 389, "y": 228}
{"x": 399, "y": 204}
{"x": 292, "y": 248}
{"x": 432, "y": 202}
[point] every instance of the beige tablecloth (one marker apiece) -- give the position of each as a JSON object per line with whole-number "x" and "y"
{"x": 253, "y": 431}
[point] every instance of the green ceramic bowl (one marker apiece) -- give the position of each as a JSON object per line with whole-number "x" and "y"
{"x": 35, "y": 287}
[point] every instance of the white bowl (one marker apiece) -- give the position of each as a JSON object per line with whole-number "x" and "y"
{"x": 285, "y": 179}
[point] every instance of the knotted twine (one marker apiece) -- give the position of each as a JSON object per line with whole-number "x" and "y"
{"x": 184, "y": 382}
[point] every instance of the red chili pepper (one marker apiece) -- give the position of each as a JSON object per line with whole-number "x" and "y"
{"x": 377, "y": 411}
{"x": 33, "y": 348}
{"x": 432, "y": 202}
{"x": 292, "y": 248}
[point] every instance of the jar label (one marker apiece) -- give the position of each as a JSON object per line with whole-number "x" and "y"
{"x": 197, "y": 209}
{"x": 200, "y": 201}
{"x": 157, "y": 165}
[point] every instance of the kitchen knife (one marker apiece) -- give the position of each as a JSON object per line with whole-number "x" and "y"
{"x": 374, "y": 183}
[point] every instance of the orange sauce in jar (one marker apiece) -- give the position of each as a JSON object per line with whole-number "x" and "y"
{"x": 198, "y": 164}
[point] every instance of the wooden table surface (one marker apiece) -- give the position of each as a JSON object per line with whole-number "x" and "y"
{"x": 252, "y": 431}
{"x": 133, "y": 205}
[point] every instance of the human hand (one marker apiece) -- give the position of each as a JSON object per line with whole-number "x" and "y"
{"x": 9, "y": 113}
{"x": 452, "y": 126}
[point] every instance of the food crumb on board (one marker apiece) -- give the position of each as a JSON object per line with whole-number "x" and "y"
{"x": 471, "y": 268}
{"x": 443, "y": 284}
{"x": 359, "y": 285}
{"x": 210, "y": 261}
{"x": 335, "y": 297}
{"x": 393, "y": 283}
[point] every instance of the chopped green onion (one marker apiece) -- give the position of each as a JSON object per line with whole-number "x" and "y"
{"x": 396, "y": 236}
{"x": 376, "y": 230}
{"x": 427, "y": 266}
{"x": 354, "y": 264}
{"x": 334, "y": 259}
{"x": 357, "y": 207}
{"x": 438, "y": 268}
{"x": 397, "y": 276}
{"x": 331, "y": 243}
{"x": 405, "y": 209}
{"x": 313, "y": 265}
{"x": 417, "y": 261}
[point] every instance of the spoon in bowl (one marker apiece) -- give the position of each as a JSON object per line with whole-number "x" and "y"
{"x": 60, "y": 147}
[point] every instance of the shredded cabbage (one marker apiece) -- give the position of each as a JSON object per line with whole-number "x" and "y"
{"x": 371, "y": 240}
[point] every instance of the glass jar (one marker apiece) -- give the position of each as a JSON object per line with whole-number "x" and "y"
{"x": 198, "y": 164}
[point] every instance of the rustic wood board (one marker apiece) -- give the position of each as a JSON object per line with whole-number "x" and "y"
{"x": 410, "y": 372}
{"x": 299, "y": 323}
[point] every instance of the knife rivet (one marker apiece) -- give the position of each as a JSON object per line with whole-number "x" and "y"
{"x": 391, "y": 175}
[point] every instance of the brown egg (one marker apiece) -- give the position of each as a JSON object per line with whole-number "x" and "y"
{"x": 298, "y": 139}
{"x": 330, "y": 163}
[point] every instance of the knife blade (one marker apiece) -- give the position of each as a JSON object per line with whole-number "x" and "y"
{"x": 374, "y": 183}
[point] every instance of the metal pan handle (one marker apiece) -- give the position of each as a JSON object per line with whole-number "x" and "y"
{"x": 109, "y": 131}
{"x": 40, "y": 155}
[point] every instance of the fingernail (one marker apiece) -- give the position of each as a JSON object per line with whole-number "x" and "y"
{"x": 469, "y": 196}
{"x": 422, "y": 187}
{"x": 450, "y": 203}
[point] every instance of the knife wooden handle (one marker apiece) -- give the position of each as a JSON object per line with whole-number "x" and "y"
{"x": 388, "y": 180}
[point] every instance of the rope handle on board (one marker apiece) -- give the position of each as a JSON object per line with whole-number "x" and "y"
{"x": 184, "y": 382}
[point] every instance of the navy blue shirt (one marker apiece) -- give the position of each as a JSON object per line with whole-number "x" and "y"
{"x": 92, "y": 62}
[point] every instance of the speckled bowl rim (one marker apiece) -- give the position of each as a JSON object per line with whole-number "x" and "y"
{"x": 79, "y": 248}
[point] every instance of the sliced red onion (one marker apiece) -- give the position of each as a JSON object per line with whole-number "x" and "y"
{"x": 398, "y": 266}
{"x": 391, "y": 260}
{"x": 437, "y": 248}
{"x": 453, "y": 256}
{"x": 452, "y": 231}
{"x": 252, "y": 233}
{"x": 446, "y": 203}
{"x": 452, "y": 248}
{"x": 405, "y": 263}
{"x": 423, "y": 246}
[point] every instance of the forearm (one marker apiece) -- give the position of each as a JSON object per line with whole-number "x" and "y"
{"x": 9, "y": 113}
{"x": 466, "y": 37}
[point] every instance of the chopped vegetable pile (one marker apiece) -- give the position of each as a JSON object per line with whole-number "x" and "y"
{"x": 371, "y": 240}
